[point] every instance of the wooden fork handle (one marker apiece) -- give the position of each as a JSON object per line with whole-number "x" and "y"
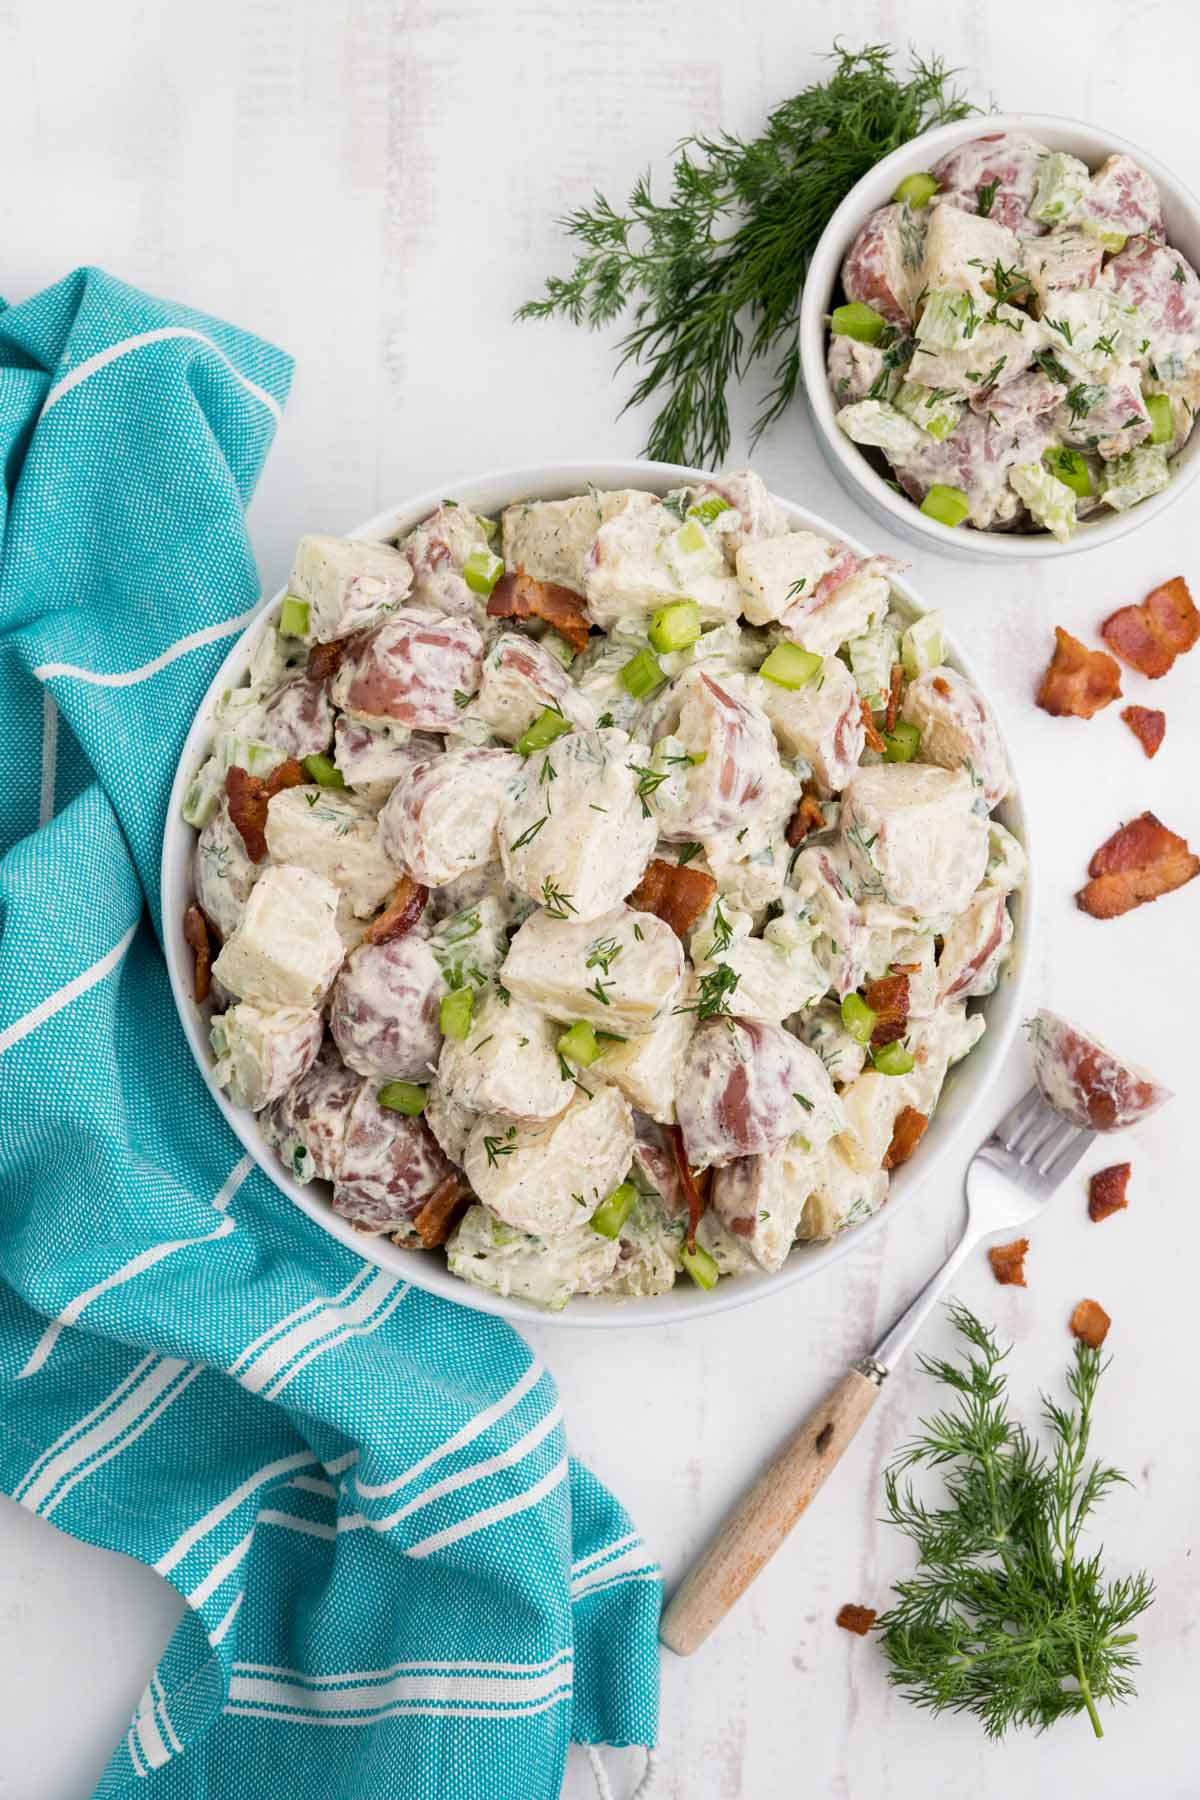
{"x": 758, "y": 1524}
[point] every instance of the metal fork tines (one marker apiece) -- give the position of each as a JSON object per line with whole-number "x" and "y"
{"x": 1035, "y": 1145}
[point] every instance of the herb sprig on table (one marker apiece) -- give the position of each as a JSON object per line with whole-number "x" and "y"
{"x": 714, "y": 272}
{"x": 1005, "y": 1618}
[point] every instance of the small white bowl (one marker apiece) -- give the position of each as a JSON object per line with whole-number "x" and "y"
{"x": 967, "y": 1085}
{"x": 895, "y": 511}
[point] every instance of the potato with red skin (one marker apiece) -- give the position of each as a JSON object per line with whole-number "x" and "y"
{"x": 738, "y": 1086}
{"x": 1124, "y": 198}
{"x": 1085, "y": 1082}
{"x": 409, "y": 670}
{"x": 384, "y": 1010}
{"x": 298, "y": 718}
{"x": 973, "y": 949}
{"x": 520, "y": 680}
{"x": 311, "y": 1118}
{"x": 1002, "y": 163}
{"x": 740, "y": 771}
{"x": 1164, "y": 287}
{"x": 440, "y": 820}
{"x": 390, "y": 1165}
{"x": 877, "y": 272}
{"x": 958, "y": 728}
{"x": 822, "y": 722}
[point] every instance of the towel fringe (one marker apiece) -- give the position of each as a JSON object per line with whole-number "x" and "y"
{"x": 604, "y": 1785}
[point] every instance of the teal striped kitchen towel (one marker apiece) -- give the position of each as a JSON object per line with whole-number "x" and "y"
{"x": 398, "y": 1582}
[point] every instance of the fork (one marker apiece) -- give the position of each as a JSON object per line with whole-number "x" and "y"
{"x": 1011, "y": 1176}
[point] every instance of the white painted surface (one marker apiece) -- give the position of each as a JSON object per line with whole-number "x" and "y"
{"x": 373, "y": 185}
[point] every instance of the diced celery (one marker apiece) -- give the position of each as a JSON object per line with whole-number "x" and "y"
{"x": 691, "y": 554}
{"x": 700, "y": 1266}
{"x": 948, "y": 505}
{"x": 548, "y": 725}
{"x": 923, "y": 647}
{"x": 708, "y": 510}
{"x": 788, "y": 666}
{"x": 859, "y": 321}
{"x": 1070, "y": 467}
{"x": 944, "y": 319}
{"x": 871, "y": 659}
{"x": 578, "y": 1044}
{"x": 482, "y": 570}
{"x": 916, "y": 191}
{"x": 325, "y": 773}
{"x": 490, "y": 527}
{"x": 893, "y": 1059}
{"x": 676, "y": 626}
{"x": 203, "y": 794}
{"x": 878, "y": 424}
{"x": 1050, "y": 501}
{"x": 293, "y": 617}
{"x": 933, "y": 409}
{"x": 902, "y": 744}
{"x": 1159, "y": 408}
{"x": 1062, "y": 182}
{"x": 1135, "y": 476}
{"x": 612, "y": 1213}
{"x": 642, "y": 674}
{"x": 1102, "y": 230}
{"x": 402, "y": 1097}
{"x": 858, "y": 1018}
{"x": 455, "y": 1012}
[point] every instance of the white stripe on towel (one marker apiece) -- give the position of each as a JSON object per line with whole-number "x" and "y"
{"x": 212, "y": 1518}
{"x": 490, "y": 1515}
{"x": 504, "y": 1459}
{"x": 164, "y": 334}
{"x": 472, "y": 1429}
{"x": 54, "y": 1003}
{"x": 128, "y": 677}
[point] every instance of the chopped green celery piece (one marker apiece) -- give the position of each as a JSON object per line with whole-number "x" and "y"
{"x": 871, "y": 658}
{"x": 1069, "y": 467}
{"x": 490, "y": 527}
{"x": 948, "y": 505}
{"x": 788, "y": 666}
{"x": 579, "y": 1045}
{"x": 612, "y": 1213}
{"x": 402, "y": 1097}
{"x": 933, "y": 409}
{"x": 1050, "y": 501}
{"x": 691, "y": 539}
{"x": 708, "y": 510}
{"x": 944, "y": 319}
{"x": 700, "y": 1266}
{"x": 923, "y": 647}
{"x": 201, "y": 800}
{"x": 1159, "y": 408}
{"x": 324, "y": 772}
{"x": 1102, "y": 230}
{"x": 1135, "y": 476}
{"x": 893, "y": 1059}
{"x": 916, "y": 191}
{"x": 293, "y": 617}
{"x": 902, "y": 744}
{"x": 859, "y": 321}
{"x": 642, "y": 674}
{"x": 676, "y": 626}
{"x": 455, "y": 1012}
{"x": 858, "y": 1018}
{"x": 1062, "y": 182}
{"x": 548, "y": 725}
{"x": 881, "y": 426}
{"x": 482, "y": 570}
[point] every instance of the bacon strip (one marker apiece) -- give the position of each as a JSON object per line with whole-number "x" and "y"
{"x": 1149, "y": 637}
{"x": 909, "y": 1129}
{"x": 1107, "y": 1191}
{"x": 1148, "y": 725}
{"x": 197, "y": 936}
{"x": 888, "y": 1000}
{"x": 324, "y": 660}
{"x": 1008, "y": 1262}
{"x": 895, "y": 689}
{"x": 687, "y": 1181}
{"x": 519, "y": 596}
{"x": 870, "y": 729}
{"x": 1090, "y": 1322}
{"x": 676, "y": 895}
{"x": 858, "y": 1619}
{"x": 249, "y": 796}
{"x": 807, "y": 817}
{"x": 1137, "y": 864}
{"x": 442, "y": 1211}
{"x": 401, "y": 913}
{"x": 1078, "y": 681}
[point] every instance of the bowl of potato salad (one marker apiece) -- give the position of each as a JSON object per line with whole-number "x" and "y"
{"x": 594, "y": 895}
{"x": 1001, "y": 338}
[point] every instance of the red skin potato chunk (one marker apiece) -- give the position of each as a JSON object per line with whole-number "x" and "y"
{"x": 736, "y": 1094}
{"x": 384, "y": 1013}
{"x": 390, "y": 1165}
{"x": 410, "y": 669}
{"x": 1085, "y": 1082}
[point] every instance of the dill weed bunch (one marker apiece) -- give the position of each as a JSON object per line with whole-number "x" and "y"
{"x": 1004, "y": 1618}
{"x": 714, "y": 273}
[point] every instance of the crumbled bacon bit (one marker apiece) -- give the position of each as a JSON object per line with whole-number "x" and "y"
{"x": 1078, "y": 681}
{"x": 895, "y": 689}
{"x": 519, "y": 596}
{"x": 1008, "y": 1262}
{"x": 247, "y": 796}
{"x": 1090, "y": 1322}
{"x": 1148, "y": 725}
{"x": 676, "y": 895}
{"x": 400, "y": 914}
{"x": 687, "y": 1181}
{"x": 808, "y": 816}
{"x": 909, "y": 1129}
{"x": 888, "y": 1000}
{"x": 325, "y": 659}
{"x": 1149, "y": 637}
{"x": 858, "y": 1619}
{"x": 1137, "y": 864}
{"x": 196, "y": 934}
{"x": 871, "y": 730}
{"x": 287, "y": 774}
{"x": 1107, "y": 1191}
{"x": 442, "y": 1211}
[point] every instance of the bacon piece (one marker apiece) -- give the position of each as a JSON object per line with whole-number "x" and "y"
{"x": 687, "y": 1181}
{"x": 1148, "y": 725}
{"x": 888, "y": 1000}
{"x": 1078, "y": 681}
{"x": 674, "y": 893}
{"x": 1137, "y": 864}
{"x": 858, "y": 1619}
{"x": 1106, "y": 1191}
{"x": 871, "y": 730}
{"x": 519, "y": 596}
{"x": 441, "y": 1212}
{"x": 909, "y": 1129}
{"x": 400, "y": 914}
{"x": 196, "y": 936}
{"x": 324, "y": 660}
{"x": 895, "y": 689}
{"x": 807, "y": 817}
{"x": 1008, "y": 1262}
{"x": 1090, "y": 1322}
{"x": 1149, "y": 637}
{"x": 248, "y": 797}
{"x": 287, "y": 774}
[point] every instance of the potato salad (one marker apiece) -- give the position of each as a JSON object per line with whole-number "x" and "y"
{"x": 598, "y": 895}
{"x": 1019, "y": 342}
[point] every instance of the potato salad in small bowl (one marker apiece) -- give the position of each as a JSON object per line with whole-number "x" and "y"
{"x": 595, "y": 888}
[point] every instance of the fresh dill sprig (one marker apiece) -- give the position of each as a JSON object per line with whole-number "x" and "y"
{"x": 713, "y": 273}
{"x": 1004, "y": 1618}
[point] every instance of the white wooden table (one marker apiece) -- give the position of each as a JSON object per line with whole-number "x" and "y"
{"x": 372, "y": 183}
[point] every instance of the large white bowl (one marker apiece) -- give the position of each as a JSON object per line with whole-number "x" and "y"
{"x": 852, "y": 468}
{"x": 967, "y": 1086}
